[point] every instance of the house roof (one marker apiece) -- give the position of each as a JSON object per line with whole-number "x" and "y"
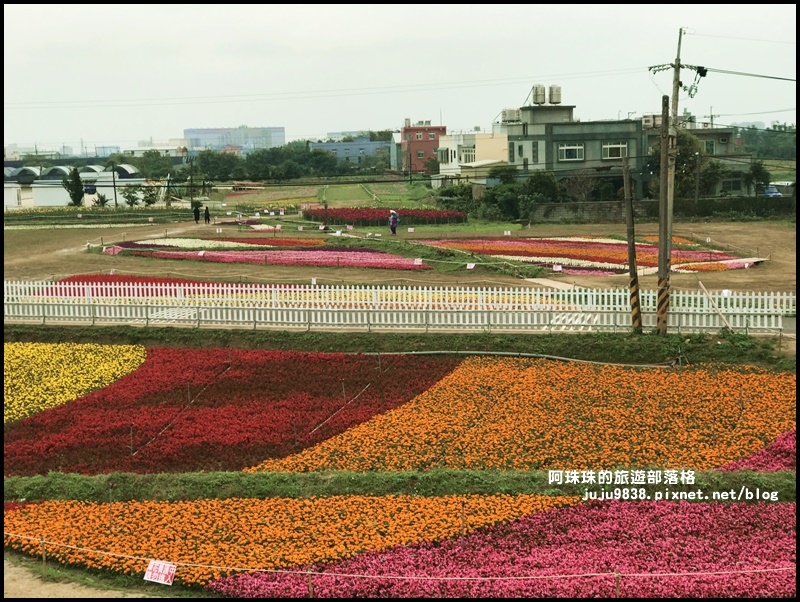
{"x": 483, "y": 163}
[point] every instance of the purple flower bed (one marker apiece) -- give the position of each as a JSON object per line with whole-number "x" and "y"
{"x": 781, "y": 454}
{"x": 579, "y": 549}
{"x": 345, "y": 258}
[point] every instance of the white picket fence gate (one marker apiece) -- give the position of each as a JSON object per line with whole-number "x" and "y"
{"x": 390, "y": 308}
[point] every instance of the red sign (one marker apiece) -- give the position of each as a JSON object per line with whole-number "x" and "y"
{"x": 160, "y": 572}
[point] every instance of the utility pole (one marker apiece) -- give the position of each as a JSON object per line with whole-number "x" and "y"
{"x": 696, "y": 178}
{"x": 669, "y": 156}
{"x": 636, "y": 308}
{"x": 664, "y": 231}
{"x": 711, "y": 116}
{"x": 114, "y": 182}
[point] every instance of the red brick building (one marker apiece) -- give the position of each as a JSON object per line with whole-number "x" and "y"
{"x": 418, "y": 144}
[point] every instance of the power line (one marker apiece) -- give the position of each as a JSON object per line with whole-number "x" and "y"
{"x": 309, "y": 94}
{"x": 703, "y": 35}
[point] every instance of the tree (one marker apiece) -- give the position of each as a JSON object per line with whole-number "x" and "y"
{"x": 544, "y": 184}
{"x": 432, "y": 166}
{"x": 507, "y": 174}
{"x": 154, "y": 165}
{"x": 757, "y": 176}
{"x": 131, "y": 194}
{"x": 149, "y": 195}
{"x": 74, "y": 187}
{"x": 581, "y": 185}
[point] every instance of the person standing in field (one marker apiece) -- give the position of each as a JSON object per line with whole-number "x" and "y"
{"x": 207, "y": 215}
{"x": 197, "y": 215}
{"x": 394, "y": 219}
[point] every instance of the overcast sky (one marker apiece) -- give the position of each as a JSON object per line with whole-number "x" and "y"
{"x": 122, "y": 73}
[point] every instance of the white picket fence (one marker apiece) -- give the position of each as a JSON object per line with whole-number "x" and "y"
{"x": 393, "y": 308}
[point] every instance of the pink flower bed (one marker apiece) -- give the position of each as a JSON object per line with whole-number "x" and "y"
{"x": 572, "y": 545}
{"x": 781, "y": 454}
{"x": 344, "y": 258}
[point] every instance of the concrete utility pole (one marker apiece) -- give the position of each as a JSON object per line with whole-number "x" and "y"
{"x": 711, "y": 116}
{"x": 636, "y": 308}
{"x": 664, "y": 230}
{"x": 670, "y": 148}
{"x": 114, "y": 182}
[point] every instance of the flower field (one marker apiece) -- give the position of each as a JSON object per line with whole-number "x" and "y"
{"x": 194, "y": 409}
{"x": 154, "y": 410}
{"x": 582, "y": 255}
{"x": 264, "y": 251}
{"x": 368, "y": 216}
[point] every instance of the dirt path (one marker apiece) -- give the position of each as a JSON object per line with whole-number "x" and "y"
{"x": 24, "y": 582}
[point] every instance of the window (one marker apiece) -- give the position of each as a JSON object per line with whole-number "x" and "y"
{"x": 362, "y": 152}
{"x": 519, "y": 150}
{"x": 511, "y": 152}
{"x": 570, "y": 152}
{"x": 333, "y": 152}
{"x": 525, "y": 164}
{"x": 731, "y": 185}
{"x": 408, "y": 136}
{"x": 468, "y": 155}
{"x": 443, "y": 155}
{"x": 420, "y": 154}
{"x": 419, "y": 135}
{"x": 615, "y": 150}
{"x": 431, "y": 135}
{"x": 710, "y": 147}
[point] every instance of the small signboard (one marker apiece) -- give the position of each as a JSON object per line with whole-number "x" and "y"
{"x": 219, "y": 230}
{"x": 418, "y": 261}
{"x": 322, "y": 227}
{"x": 258, "y": 214}
{"x": 506, "y": 232}
{"x": 377, "y": 234}
{"x": 272, "y": 213}
{"x": 349, "y": 227}
{"x": 299, "y": 228}
{"x": 80, "y": 215}
{"x": 149, "y": 219}
{"x": 229, "y": 212}
{"x": 411, "y": 229}
{"x": 280, "y": 212}
{"x": 277, "y": 226}
{"x": 201, "y": 253}
{"x": 557, "y": 267}
{"x": 313, "y": 281}
{"x": 470, "y": 266}
{"x": 337, "y": 233}
{"x": 160, "y": 572}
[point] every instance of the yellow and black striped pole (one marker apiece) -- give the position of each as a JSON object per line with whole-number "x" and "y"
{"x": 636, "y": 309}
{"x": 664, "y": 225}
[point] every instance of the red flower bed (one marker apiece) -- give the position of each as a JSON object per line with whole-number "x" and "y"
{"x": 366, "y": 216}
{"x": 781, "y": 454}
{"x": 188, "y": 410}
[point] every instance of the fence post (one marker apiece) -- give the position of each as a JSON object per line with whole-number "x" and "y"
{"x": 310, "y": 585}
{"x": 616, "y": 584}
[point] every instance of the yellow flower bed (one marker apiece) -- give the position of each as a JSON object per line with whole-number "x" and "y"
{"x": 250, "y": 533}
{"x": 39, "y": 376}
{"x": 536, "y": 414}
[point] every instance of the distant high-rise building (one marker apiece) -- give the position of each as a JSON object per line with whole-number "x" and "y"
{"x": 247, "y": 138}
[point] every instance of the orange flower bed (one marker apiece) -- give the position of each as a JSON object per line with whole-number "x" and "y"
{"x": 537, "y": 414}
{"x": 228, "y": 536}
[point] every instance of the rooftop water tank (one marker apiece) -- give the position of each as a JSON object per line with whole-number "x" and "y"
{"x": 538, "y": 94}
{"x": 555, "y": 95}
